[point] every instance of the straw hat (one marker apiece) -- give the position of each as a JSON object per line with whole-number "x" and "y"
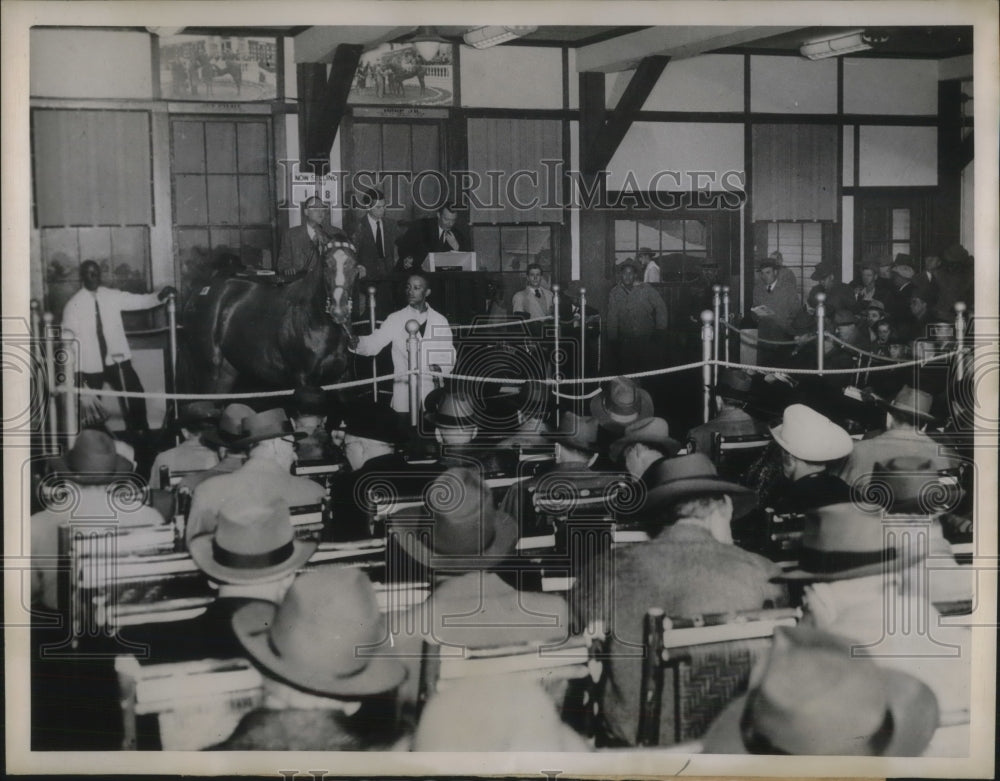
{"x": 814, "y": 698}
{"x": 316, "y": 638}
{"x": 806, "y": 434}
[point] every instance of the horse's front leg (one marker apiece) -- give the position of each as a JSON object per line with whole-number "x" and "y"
{"x": 223, "y": 376}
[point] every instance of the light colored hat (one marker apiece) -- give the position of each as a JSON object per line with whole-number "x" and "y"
{"x": 317, "y": 638}
{"x": 649, "y": 431}
{"x": 254, "y": 542}
{"x": 93, "y": 460}
{"x": 229, "y": 430}
{"x": 269, "y": 424}
{"x": 842, "y": 542}
{"x": 814, "y": 698}
{"x": 910, "y": 401}
{"x": 806, "y": 434}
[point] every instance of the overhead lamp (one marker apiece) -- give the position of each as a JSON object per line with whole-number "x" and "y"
{"x": 491, "y": 35}
{"x": 842, "y": 43}
{"x": 427, "y": 41}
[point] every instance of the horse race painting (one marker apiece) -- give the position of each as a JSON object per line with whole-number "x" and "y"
{"x": 409, "y": 74}
{"x": 218, "y": 68}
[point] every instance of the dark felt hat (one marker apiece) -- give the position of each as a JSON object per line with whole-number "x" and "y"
{"x": 671, "y": 480}
{"x": 93, "y": 460}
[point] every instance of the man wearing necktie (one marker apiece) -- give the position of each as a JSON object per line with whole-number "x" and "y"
{"x": 375, "y": 236}
{"x": 303, "y": 245}
{"x": 534, "y": 300}
{"x": 92, "y": 320}
{"x": 431, "y": 234}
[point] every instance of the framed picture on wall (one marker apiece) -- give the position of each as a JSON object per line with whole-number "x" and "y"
{"x": 405, "y": 74}
{"x": 219, "y": 67}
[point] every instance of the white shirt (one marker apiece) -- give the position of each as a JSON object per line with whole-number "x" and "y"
{"x": 436, "y": 346}
{"x": 535, "y": 306}
{"x": 652, "y": 273}
{"x": 80, "y": 321}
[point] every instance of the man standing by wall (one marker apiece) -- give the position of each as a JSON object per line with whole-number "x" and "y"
{"x": 93, "y": 316}
{"x": 637, "y": 323}
{"x": 534, "y": 300}
{"x": 303, "y": 245}
{"x": 375, "y": 236}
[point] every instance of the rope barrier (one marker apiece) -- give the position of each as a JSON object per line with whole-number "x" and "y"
{"x": 504, "y": 324}
{"x": 858, "y": 350}
{"x": 84, "y": 391}
{"x": 151, "y": 331}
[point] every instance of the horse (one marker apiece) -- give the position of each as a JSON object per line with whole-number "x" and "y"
{"x": 208, "y": 71}
{"x": 401, "y": 65}
{"x": 275, "y": 334}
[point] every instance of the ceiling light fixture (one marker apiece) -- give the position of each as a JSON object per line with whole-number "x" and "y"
{"x": 491, "y": 35}
{"x": 843, "y": 43}
{"x": 165, "y": 32}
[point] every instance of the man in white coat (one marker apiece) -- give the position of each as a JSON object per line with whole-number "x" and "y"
{"x": 437, "y": 351}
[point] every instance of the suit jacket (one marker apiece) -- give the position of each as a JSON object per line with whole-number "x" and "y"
{"x": 423, "y": 236}
{"x": 364, "y": 240}
{"x": 683, "y": 570}
{"x": 892, "y": 444}
{"x": 298, "y": 252}
{"x": 812, "y": 491}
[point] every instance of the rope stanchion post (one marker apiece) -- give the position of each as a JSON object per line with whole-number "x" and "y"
{"x": 413, "y": 364}
{"x": 716, "y": 311}
{"x": 172, "y": 324}
{"x": 70, "y": 411}
{"x": 556, "y": 367}
{"x": 959, "y": 340}
{"x": 820, "y": 326}
{"x": 707, "y": 337}
{"x": 583, "y": 332}
{"x": 49, "y": 339}
{"x": 725, "y": 319}
{"x": 372, "y": 321}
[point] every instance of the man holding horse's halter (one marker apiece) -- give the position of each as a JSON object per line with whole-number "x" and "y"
{"x": 437, "y": 352}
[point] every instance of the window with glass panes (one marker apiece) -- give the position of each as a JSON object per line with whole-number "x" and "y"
{"x": 801, "y": 248}
{"x": 678, "y": 245}
{"x": 509, "y": 249}
{"x": 222, "y": 195}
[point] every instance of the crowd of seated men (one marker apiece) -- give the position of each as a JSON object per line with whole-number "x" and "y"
{"x": 340, "y": 672}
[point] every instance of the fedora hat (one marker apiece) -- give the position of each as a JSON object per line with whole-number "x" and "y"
{"x": 93, "y": 460}
{"x": 734, "y": 384}
{"x": 769, "y": 262}
{"x": 905, "y": 270}
{"x": 577, "y": 431}
{"x": 671, "y": 480}
{"x": 844, "y": 317}
{"x": 467, "y": 531}
{"x": 229, "y": 429}
{"x": 628, "y": 263}
{"x": 254, "y": 542}
{"x": 872, "y": 264}
{"x": 912, "y": 485}
{"x": 806, "y": 434}
{"x": 956, "y": 253}
{"x": 874, "y": 303}
{"x": 451, "y": 409}
{"x": 814, "y": 698}
{"x": 309, "y": 400}
{"x": 910, "y": 401}
{"x": 315, "y": 639}
{"x": 371, "y": 420}
{"x": 823, "y": 270}
{"x": 649, "y": 431}
{"x": 841, "y": 542}
{"x": 198, "y": 412}
{"x": 269, "y": 424}
{"x": 620, "y": 402}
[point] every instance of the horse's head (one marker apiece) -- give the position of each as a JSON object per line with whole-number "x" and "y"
{"x": 340, "y": 270}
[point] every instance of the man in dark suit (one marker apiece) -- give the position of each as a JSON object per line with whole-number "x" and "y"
{"x": 431, "y": 234}
{"x": 375, "y": 236}
{"x": 302, "y": 246}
